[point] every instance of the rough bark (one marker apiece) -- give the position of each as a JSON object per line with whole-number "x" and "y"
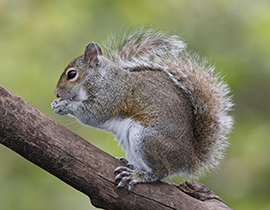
{"x": 41, "y": 140}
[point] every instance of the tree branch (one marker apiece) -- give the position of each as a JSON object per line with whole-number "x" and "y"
{"x": 41, "y": 140}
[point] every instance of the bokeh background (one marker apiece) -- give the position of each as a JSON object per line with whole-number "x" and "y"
{"x": 39, "y": 38}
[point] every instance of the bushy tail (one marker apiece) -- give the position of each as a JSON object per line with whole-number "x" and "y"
{"x": 141, "y": 48}
{"x": 211, "y": 104}
{"x": 147, "y": 49}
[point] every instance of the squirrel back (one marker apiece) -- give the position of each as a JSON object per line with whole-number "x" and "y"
{"x": 208, "y": 95}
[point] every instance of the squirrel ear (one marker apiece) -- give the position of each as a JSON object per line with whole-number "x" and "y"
{"x": 92, "y": 52}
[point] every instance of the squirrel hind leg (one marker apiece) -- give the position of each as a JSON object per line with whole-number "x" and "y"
{"x": 133, "y": 176}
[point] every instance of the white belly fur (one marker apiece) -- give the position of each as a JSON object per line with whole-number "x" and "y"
{"x": 128, "y": 132}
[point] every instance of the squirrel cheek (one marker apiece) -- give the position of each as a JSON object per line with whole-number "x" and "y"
{"x": 81, "y": 96}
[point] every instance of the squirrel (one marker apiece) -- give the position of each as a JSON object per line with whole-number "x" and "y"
{"x": 165, "y": 106}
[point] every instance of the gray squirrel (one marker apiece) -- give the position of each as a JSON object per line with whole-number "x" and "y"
{"x": 164, "y": 105}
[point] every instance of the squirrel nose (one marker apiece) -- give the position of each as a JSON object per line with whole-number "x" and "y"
{"x": 56, "y": 94}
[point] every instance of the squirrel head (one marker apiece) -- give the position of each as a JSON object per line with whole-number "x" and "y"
{"x": 70, "y": 85}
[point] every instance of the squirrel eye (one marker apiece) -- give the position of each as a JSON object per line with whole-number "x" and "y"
{"x": 71, "y": 74}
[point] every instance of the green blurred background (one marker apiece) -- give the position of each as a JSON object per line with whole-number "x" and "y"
{"x": 39, "y": 38}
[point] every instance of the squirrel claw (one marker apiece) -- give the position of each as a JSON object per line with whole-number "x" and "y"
{"x": 125, "y": 161}
{"x": 123, "y": 182}
{"x": 121, "y": 169}
{"x": 131, "y": 184}
{"x": 122, "y": 175}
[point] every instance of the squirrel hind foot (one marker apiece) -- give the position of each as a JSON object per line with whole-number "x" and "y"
{"x": 133, "y": 176}
{"x": 125, "y": 175}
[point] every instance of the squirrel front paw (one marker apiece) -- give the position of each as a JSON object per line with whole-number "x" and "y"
{"x": 60, "y": 106}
